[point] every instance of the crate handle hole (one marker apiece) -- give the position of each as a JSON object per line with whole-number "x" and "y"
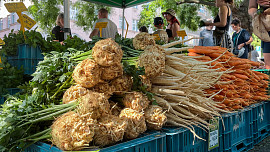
{"x": 240, "y": 146}
{"x": 263, "y": 131}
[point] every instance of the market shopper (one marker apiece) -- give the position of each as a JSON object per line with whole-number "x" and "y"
{"x": 143, "y": 29}
{"x": 158, "y": 23}
{"x": 265, "y": 5}
{"x": 174, "y": 24}
{"x": 222, "y": 22}
{"x": 241, "y": 40}
{"x": 57, "y": 31}
{"x": 207, "y": 35}
{"x": 111, "y": 28}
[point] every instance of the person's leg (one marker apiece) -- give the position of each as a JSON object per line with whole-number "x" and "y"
{"x": 266, "y": 54}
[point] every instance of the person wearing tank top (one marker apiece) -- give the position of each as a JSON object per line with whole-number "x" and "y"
{"x": 222, "y": 23}
{"x": 265, "y": 5}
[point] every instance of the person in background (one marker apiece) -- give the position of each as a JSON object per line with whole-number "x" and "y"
{"x": 207, "y": 35}
{"x": 265, "y": 5}
{"x": 111, "y": 28}
{"x": 174, "y": 24}
{"x": 57, "y": 31}
{"x": 241, "y": 39}
{"x": 222, "y": 22}
{"x": 143, "y": 29}
{"x": 158, "y": 23}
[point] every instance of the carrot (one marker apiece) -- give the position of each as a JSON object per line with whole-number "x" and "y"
{"x": 216, "y": 55}
{"x": 247, "y": 96}
{"x": 241, "y": 76}
{"x": 193, "y": 54}
{"x": 207, "y": 58}
{"x": 237, "y": 107}
{"x": 222, "y": 106}
{"x": 244, "y": 104}
{"x": 227, "y": 101}
{"x": 219, "y": 97}
{"x": 243, "y": 66}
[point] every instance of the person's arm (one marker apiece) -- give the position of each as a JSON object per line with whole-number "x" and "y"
{"x": 252, "y": 8}
{"x": 175, "y": 28}
{"x": 248, "y": 38}
{"x": 223, "y": 12}
{"x": 93, "y": 33}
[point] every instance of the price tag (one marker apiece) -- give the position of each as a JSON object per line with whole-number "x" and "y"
{"x": 15, "y": 7}
{"x": 156, "y": 36}
{"x": 2, "y": 42}
{"x": 101, "y": 25}
{"x": 28, "y": 22}
{"x": 182, "y": 33}
{"x": 213, "y": 140}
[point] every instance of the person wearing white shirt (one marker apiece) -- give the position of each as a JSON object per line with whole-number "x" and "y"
{"x": 111, "y": 28}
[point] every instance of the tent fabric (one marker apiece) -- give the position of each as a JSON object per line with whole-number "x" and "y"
{"x": 119, "y": 3}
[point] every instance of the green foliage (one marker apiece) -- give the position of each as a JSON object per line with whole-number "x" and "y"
{"x": 87, "y": 13}
{"x": 11, "y": 77}
{"x": 256, "y": 41}
{"x": 46, "y": 12}
{"x": 34, "y": 38}
{"x": 186, "y": 13}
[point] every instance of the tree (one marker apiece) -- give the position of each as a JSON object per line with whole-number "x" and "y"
{"x": 45, "y": 13}
{"x": 186, "y": 11}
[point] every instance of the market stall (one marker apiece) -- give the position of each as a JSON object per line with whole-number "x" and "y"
{"x": 134, "y": 95}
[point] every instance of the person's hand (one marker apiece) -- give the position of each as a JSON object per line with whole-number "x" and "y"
{"x": 267, "y": 11}
{"x": 265, "y": 3}
{"x": 62, "y": 43}
{"x": 240, "y": 46}
{"x": 207, "y": 23}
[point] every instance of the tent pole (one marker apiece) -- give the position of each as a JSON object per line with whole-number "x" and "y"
{"x": 123, "y": 22}
{"x": 66, "y": 18}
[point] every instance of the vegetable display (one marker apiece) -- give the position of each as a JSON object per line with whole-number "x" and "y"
{"x": 113, "y": 90}
{"x": 242, "y": 87}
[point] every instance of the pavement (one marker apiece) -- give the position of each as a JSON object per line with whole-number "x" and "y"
{"x": 263, "y": 146}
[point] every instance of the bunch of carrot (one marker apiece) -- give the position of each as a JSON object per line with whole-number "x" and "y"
{"x": 237, "y": 89}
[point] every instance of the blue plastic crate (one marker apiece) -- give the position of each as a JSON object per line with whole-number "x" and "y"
{"x": 148, "y": 142}
{"x": 238, "y": 132}
{"x": 29, "y": 52}
{"x": 181, "y": 140}
{"x": 24, "y": 51}
{"x": 42, "y": 147}
{"x": 2, "y": 100}
{"x": 13, "y": 61}
{"x": 11, "y": 91}
{"x": 261, "y": 121}
{"x": 29, "y": 65}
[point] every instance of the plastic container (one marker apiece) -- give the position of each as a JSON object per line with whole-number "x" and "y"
{"x": 42, "y": 147}
{"x": 28, "y": 52}
{"x": 148, "y": 142}
{"x": 181, "y": 140}
{"x": 261, "y": 121}
{"x": 29, "y": 65}
{"x": 13, "y": 61}
{"x": 11, "y": 91}
{"x": 238, "y": 133}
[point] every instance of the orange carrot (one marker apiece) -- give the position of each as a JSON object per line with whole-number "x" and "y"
{"x": 241, "y": 76}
